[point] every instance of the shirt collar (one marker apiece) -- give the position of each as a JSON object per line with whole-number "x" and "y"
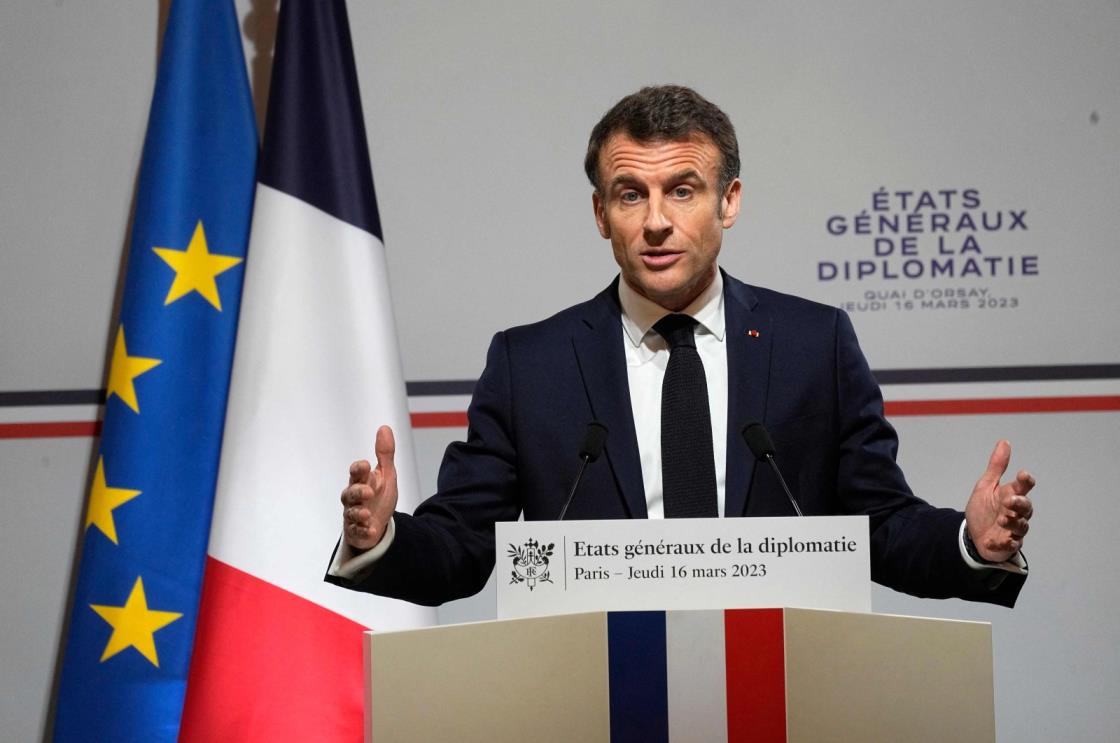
{"x": 639, "y": 314}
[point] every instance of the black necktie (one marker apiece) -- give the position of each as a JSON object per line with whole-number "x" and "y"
{"x": 688, "y": 472}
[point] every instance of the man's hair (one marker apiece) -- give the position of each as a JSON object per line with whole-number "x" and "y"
{"x": 665, "y": 113}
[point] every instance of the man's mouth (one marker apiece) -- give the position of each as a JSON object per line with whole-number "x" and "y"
{"x": 660, "y": 258}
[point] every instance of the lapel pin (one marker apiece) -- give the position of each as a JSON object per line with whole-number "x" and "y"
{"x": 753, "y": 333}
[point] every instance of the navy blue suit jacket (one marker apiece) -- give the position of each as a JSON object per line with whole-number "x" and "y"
{"x": 802, "y": 374}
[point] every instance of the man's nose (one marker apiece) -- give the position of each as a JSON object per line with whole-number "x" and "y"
{"x": 657, "y": 226}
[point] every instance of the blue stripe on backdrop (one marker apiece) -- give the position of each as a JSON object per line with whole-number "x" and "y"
{"x": 885, "y": 377}
{"x": 639, "y": 697}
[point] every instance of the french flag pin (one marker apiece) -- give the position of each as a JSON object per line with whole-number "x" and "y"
{"x": 753, "y": 333}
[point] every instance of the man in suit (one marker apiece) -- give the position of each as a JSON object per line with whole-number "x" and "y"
{"x": 664, "y": 166}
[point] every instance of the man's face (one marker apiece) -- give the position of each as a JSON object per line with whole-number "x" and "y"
{"x": 663, "y": 213}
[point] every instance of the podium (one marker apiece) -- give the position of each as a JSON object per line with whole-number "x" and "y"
{"x": 765, "y": 675}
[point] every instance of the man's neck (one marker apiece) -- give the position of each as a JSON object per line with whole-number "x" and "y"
{"x": 639, "y": 313}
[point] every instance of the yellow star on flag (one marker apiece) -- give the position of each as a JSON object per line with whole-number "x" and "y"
{"x": 123, "y": 370}
{"x": 195, "y": 269}
{"x": 134, "y": 624}
{"x": 102, "y": 500}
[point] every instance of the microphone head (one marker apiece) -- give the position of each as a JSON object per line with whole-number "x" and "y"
{"x": 593, "y": 441}
{"x": 758, "y": 439}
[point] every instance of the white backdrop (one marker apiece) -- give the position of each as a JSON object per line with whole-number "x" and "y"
{"x": 478, "y": 115}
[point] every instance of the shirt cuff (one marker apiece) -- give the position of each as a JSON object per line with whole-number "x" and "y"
{"x": 1015, "y": 564}
{"x": 352, "y": 565}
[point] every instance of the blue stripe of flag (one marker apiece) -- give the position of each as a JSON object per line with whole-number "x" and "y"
{"x": 639, "y": 697}
{"x": 315, "y": 138}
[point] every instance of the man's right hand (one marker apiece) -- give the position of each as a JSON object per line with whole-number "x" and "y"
{"x": 370, "y": 498}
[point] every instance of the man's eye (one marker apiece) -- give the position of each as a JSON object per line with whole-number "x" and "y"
{"x": 682, "y": 192}
{"x": 629, "y": 196}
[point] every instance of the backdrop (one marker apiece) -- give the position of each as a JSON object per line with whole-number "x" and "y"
{"x": 948, "y": 174}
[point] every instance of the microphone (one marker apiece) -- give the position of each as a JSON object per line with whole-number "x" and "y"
{"x": 760, "y": 444}
{"x": 593, "y": 442}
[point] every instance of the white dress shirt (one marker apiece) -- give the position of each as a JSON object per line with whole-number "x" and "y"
{"x": 647, "y": 354}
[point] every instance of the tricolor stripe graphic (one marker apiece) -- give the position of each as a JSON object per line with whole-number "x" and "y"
{"x": 715, "y": 676}
{"x": 1072, "y": 388}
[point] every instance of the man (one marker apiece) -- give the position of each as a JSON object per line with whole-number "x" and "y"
{"x": 664, "y": 164}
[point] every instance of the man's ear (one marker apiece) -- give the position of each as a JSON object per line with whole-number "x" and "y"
{"x": 600, "y": 215}
{"x": 730, "y": 202}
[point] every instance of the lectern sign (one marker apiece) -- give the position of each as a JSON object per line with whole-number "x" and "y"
{"x": 561, "y": 567}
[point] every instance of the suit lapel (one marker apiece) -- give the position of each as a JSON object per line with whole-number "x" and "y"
{"x": 602, "y": 363}
{"x": 749, "y": 341}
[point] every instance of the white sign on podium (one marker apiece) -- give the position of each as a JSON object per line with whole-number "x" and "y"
{"x": 566, "y": 567}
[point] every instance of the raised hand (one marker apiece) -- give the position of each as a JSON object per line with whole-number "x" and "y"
{"x": 369, "y": 499}
{"x": 997, "y": 515}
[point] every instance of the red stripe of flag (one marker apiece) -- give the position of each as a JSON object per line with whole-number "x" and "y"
{"x": 270, "y": 666}
{"x": 756, "y": 675}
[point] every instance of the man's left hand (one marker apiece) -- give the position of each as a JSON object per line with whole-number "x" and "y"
{"x": 996, "y": 514}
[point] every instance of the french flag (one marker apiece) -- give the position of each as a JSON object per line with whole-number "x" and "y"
{"x": 278, "y": 652}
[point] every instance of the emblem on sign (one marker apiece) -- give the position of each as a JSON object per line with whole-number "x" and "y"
{"x": 530, "y": 563}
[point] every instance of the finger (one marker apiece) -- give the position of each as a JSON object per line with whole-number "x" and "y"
{"x": 997, "y": 464}
{"x": 357, "y": 532}
{"x": 357, "y": 515}
{"x": 1016, "y": 526}
{"x": 356, "y": 495}
{"x": 1023, "y": 483}
{"x": 1009, "y": 543}
{"x": 1019, "y": 506}
{"x": 385, "y": 447}
{"x": 362, "y": 536}
{"x": 359, "y": 471}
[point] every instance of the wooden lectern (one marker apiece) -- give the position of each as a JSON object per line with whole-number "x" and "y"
{"x": 766, "y": 675}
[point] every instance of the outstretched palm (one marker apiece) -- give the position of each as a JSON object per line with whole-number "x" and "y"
{"x": 997, "y": 514}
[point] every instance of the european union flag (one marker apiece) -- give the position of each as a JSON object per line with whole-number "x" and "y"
{"x": 124, "y": 670}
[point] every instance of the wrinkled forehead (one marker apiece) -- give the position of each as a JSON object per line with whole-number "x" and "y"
{"x": 622, "y": 155}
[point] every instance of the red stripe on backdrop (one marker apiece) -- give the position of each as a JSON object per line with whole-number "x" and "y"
{"x": 68, "y": 429}
{"x": 269, "y": 665}
{"x": 439, "y": 420}
{"x": 894, "y": 408}
{"x": 999, "y": 405}
{"x": 756, "y": 675}
{"x": 51, "y": 430}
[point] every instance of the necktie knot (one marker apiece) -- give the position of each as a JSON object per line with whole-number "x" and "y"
{"x": 677, "y": 330}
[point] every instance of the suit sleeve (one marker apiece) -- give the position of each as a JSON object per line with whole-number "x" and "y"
{"x": 914, "y": 546}
{"x": 445, "y": 550}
